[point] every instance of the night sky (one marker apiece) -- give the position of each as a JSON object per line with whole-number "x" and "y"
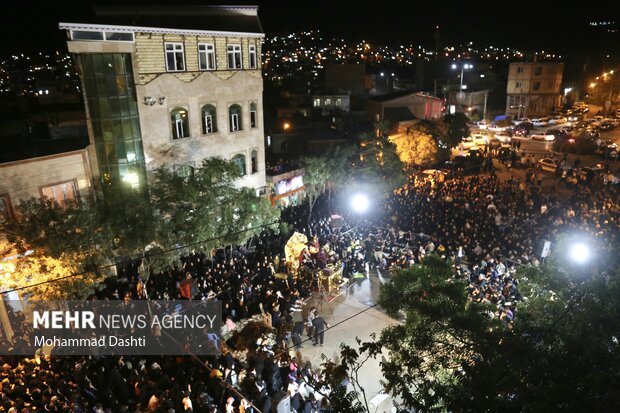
{"x": 31, "y": 25}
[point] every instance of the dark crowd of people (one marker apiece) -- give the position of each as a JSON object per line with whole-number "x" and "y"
{"x": 486, "y": 227}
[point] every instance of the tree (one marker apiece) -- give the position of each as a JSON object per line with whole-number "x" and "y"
{"x": 457, "y": 128}
{"x": 416, "y": 146}
{"x": 316, "y": 176}
{"x": 202, "y": 211}
{"x": 207, "y": 206}
{"x": 61, "y": 278}
{"x": 338, "y": 163}
{"x": 453, "y": 354}
{"x": 379, "y": 165}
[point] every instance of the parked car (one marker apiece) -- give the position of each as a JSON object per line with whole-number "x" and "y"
{"x": 542, "y": 136}
{"x": 540, "y": 122}
{"x": 547, "y": 164}
{"x": 482, "y": 125}
{"x": 588, "y": 172}
{"x": 522, "y": 129}
{"x": 502, "y": 137}
{"x": 479, "y": 139}
{"x": 467, "y": 143}
{"x": 606, "y": 126}
{"x": 522, "y": 120}
{"x": 557, "y": 120}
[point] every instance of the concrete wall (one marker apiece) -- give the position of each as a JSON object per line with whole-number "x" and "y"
{"x": 548, "y": 76}
{"x": 22, "y": 180}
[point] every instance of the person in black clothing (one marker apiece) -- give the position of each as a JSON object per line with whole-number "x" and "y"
{"x": 296, "y": 334}
{"x": 319, "y": 330}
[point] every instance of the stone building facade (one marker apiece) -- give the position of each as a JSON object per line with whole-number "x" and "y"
{"x": 174, "y": 95}
{"x": 62, "y": 177}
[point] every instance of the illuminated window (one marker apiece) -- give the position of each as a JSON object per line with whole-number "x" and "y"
{"x": 316, "y": 103}
{"x": 209, "y": 119}
{"x": 206, "y": 56}
{"x": 175, "y": 58}
{"x": 234, "y": 56}
{"x": 180, "y": 124}
{"x": 64, "y": 194}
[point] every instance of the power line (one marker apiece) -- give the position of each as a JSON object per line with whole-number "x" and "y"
{"x": 137, "y": 255}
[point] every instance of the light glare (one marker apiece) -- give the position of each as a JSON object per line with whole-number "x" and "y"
{"x": 580, "y": 253}
{"x": 359, "y": 203}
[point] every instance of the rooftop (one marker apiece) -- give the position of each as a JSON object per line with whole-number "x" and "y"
{"x": 241, "y": 19}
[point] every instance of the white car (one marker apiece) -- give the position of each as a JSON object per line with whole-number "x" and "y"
{"x": 547, "y": 164}
{"x": 467, "y": 143}
{"x": 522, "y": 120}
{"x": 503, "y": 137}
{"x": 542, "y": 136}
{"x": 540, "y": 122}
{"x": 482, "y": 125}
{"x": 480, "y": 140}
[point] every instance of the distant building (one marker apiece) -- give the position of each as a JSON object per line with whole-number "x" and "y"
{"x": 171, "y": 86}
{"x": 63, "y": 177}
{"x": 404, "y": 105}
{"x": 323, "y": 103}
{"x": 533, "y": 89}
{"x": 328, "y": 102}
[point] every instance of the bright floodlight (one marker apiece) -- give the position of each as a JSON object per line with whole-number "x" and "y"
{"x": 453, "y": 65}
{"x": 359, "y": 203}
{"x": 580, "y": 253}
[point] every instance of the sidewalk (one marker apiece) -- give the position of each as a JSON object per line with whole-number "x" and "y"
{"x": 352, "y": 314}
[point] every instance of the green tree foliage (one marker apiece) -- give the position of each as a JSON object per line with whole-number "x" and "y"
{"x": 453, "y": 354}
{"x": 316, "y": 177}
{"x": 457, "y": 128}
{"x": 181, "y": 211}
{"x": 379, "y": 165}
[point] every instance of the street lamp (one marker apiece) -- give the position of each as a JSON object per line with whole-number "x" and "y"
{"x": 463, "y": 67}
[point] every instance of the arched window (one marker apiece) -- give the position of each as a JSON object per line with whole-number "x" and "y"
{"x": 254, "y": 161}
{"x": 253, "y": 115}
{"x": 234, "y": 118}
{"x": 180, "y": 124}
{"x": 239, "y": 160}
{"x": 209, "y": 119}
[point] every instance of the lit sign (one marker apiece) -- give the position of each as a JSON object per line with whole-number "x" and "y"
{"x": 287, "y": 185}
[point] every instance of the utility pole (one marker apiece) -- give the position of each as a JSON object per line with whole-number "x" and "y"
{"x": 484, "y": 110}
